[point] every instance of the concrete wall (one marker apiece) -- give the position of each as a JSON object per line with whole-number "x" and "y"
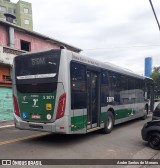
{"x": 9, "y": 6}
{"x": 37, "y": 44}
{"x": 3, "y": 36}
{"x": 6, "y": 104}
{"x": 21, "y": 16}
{"x": 4, "y": 71}
{"x": 17, "y": 9}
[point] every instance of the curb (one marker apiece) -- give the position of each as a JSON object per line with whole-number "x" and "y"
{"x": 4, "y": 124}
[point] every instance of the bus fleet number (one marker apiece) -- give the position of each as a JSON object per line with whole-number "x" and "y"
{"x": 48, "y": 97}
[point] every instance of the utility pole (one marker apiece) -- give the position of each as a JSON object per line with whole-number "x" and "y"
{"x": 154, "y": 14}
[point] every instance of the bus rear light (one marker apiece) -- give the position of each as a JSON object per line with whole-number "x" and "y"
{"x": 15, "y": 103}
{"x": 61, "y": 106}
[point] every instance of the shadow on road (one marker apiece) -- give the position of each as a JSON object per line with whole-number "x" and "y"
{"x": 63, "y": 139}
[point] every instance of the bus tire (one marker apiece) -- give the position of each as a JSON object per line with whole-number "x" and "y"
{"x": 145, "y": 113}
{"x": 108, "y": 125}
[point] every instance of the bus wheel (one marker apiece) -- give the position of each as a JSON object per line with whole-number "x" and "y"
{"x": 145, "y": 113}
{"x": 108, "y": 126}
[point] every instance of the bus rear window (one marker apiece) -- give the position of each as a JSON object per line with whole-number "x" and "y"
{"x": 37, "y": 65}
{"x": 37, "y": 88}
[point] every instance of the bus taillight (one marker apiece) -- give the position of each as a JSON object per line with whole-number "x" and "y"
{"x": 61, "y": 106}
{"x": 16, "y": 109}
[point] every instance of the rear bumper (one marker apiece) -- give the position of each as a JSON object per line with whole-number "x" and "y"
{"x": 20, "y": 124}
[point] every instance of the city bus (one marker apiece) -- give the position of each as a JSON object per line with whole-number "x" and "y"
{"x": 61, "y": 91}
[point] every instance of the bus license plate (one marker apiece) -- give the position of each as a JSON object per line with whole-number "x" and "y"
{"x": 36, "y": 116}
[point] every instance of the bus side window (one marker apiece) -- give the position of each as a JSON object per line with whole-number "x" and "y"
{"x": 78, "y": 86}
{"x": 114, "y": 85}
{"x": 124, "y": 87}
{"x": 104, "y": 88}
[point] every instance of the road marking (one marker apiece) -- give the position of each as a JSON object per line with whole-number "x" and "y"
{"x": 5, "y": 126}
{"x": 21, "y": 139}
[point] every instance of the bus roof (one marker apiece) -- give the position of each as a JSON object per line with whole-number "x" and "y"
{"x": 109, "y": 66}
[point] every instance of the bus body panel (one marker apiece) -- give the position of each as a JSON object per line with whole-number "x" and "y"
{"x": 79, "y": 120}
{"x": 129, "y": 112}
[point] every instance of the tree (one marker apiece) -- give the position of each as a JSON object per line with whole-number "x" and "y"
{"x": 156, "y": 77}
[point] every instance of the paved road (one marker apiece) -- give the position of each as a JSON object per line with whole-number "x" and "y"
{"x": 123, "y": 143}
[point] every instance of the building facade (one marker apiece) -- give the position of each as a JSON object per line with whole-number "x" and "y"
{"x": 20, "y": 11}
{"x": 15, "y": 40}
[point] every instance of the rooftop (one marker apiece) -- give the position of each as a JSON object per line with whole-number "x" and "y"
{"x": 44, "y": 37}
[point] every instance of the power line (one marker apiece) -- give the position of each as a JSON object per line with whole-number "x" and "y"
{"x": 154, "y": 14}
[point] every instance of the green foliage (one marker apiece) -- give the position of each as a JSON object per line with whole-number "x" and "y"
{"x": 156, "y": 77}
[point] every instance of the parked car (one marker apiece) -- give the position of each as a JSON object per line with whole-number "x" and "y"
{"x": 156, "y": 112}
{"x": 151, "y": 133}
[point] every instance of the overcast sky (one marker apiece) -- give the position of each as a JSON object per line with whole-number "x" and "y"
{"x": 122, "y": 32}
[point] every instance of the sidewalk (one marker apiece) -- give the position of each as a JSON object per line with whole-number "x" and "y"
{"x": 5, "y": 123}
{"x": 157, "y": 157}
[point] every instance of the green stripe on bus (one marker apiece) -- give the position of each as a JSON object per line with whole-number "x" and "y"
{"x": 123, "y": 113}
{"x": 103, "y": 116}
{"x": 79, "y": 122}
